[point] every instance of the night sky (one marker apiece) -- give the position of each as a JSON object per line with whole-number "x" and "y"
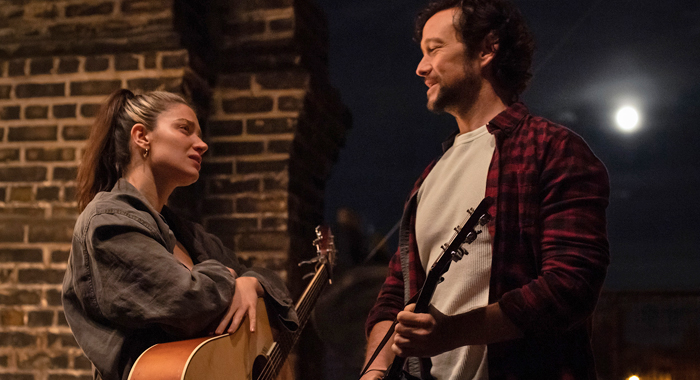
{"x": 592, "y": 58}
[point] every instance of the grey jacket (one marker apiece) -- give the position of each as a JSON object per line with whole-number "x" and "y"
{"x": 124, "y": 291}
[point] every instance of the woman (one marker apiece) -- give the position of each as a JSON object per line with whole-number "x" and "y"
{"x": 137, "y": 274}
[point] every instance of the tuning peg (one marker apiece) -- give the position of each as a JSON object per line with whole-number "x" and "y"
{"x": 484, "y": 219}
{"x": 312, "y": 261}
{"x": 458, "y": 254}
{"x": 471, "y": 236}
{"x": 470, "y": 210}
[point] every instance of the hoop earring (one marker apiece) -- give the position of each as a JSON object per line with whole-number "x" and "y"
{"x": 145, "y": 154}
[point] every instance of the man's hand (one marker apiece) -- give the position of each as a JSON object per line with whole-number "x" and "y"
{"x": 245, "y": 299}
{"x": 422, "y": 335}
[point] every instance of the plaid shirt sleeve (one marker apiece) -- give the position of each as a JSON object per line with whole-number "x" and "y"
{"x": 569, "y": 237}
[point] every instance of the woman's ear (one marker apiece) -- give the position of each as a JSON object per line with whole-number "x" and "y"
{"x": 139, "y": 136}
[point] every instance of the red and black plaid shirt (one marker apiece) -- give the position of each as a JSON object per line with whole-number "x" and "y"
{"x": 550, "y": 247}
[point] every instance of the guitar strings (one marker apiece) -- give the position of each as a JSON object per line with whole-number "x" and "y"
{"x": 286, "y": 342}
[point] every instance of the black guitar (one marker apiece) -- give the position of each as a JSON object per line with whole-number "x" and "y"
{"x": 453, "y": 251}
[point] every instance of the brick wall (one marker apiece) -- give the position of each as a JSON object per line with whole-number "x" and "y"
{"x": 256, "y": 72}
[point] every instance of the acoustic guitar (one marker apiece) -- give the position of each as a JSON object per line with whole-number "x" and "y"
{"x": 240, "y": 355}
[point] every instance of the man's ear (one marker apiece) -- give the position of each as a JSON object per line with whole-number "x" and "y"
{"x": 489, "y": 47}
{"x": 139, "y": 136}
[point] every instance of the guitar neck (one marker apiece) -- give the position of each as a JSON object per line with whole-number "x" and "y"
{"x": 283, "y": 346}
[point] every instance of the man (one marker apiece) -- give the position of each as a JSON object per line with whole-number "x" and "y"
{"x": 518, "y": 306}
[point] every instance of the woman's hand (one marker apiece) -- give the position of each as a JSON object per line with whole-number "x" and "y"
{"x": 245, "y": 300}
{"x": 373, "y": 374}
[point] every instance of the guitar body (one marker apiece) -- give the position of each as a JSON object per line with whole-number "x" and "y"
{"x": 241, "y": 355}
{"x": 237, "y": 356}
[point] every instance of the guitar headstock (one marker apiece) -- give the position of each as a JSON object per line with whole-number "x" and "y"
{"x": 325, "y": 250}
{"x": 468, "y": 231}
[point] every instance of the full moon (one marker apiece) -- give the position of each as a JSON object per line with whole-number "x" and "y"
{"x": 627, "y": 119}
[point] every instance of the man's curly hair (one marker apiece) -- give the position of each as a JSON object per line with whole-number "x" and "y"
{"x": 477, "y": 18}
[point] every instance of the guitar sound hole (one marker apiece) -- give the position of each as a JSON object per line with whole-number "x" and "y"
{"x": 259, "y": 366}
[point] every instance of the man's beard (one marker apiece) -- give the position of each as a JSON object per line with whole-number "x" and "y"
{"x": 458, "y": 95}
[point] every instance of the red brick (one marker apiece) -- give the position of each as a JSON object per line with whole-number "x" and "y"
{"x": 41, "y": 66}
{"x": 262, "y": 204}
{"x": 247, "y": 104}
{"x": 226, "y": 186}
{"x": 5, "y": 91}
{"x": 124, "y": 62}
{"x": 40, "y": 90}
{"x": 16, "y": 68}
{"x": 239, "y": 81}
{"x": 248, "y": 167}
{"x": 20, "y": 297}
{"x": 41, "y": 318}
{"x": 236, "y": 148}
{"x": 16, "y": 376}
{"x": 21, "y": 194}
{"x": 174, "y": 61}
{"x": 59, "y": 362}
{"x": 67, "y": 377}
{"x": 63, "y": 111}
{"x": 47, "y": 193}
{"x": 51, "y": 232}
{"x": 76, "y": 132}
{"x": 225, "y": 128}
{"x": 68, "y": 65}
{"x": 149, "y": 60}
{"x": 65, "y": 340}
{"x": 40, "y": 276}
{"x": 104, "y": 8}
{"x": 144, "y": 84}
{"x": 65, "y": 173}
{"x": 16, "y": 339}
{"x": 20, "y": 255}
{"x": 53, "y": 154}
{"x": 290, "y": 103}
{"x": 42, "y": 133}
{"x": 228, "y": 226}
{"x": 61, "y": 319}
{"x": 11, "y": 317}
{"x": 59, "y": 256}
{"x": 11, "y": 232}
{"x": 263, "y": 241}
{"x": 89, "y": 110}
{"x": 275, "y": 184}
{"x": 9, "y": 113}
{"x": 23, "y": 174}
{"x": 36, "y": 112}
{"x": 47, "y": 13}
{"x": 9, "y": 154}
{"x": 279, "y": 146}
{"x": 81, "y": 362}
{"x": 53, "y": 297}
{"x": 279, "y": 224}
{"x": 271, "y": 126}
{"x": 96, "y": 87}
{"x": 69, "y": 194}
{"x": 142, "y": 6}
{"x": 282, "y": 80}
